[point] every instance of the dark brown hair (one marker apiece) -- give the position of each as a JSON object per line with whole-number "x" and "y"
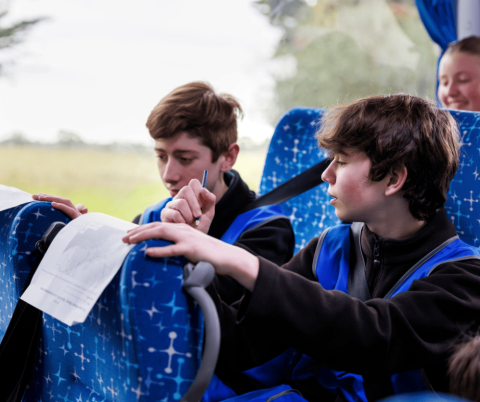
{"x": 196, "y": 109}
{"x": 464, "y": 369}
{"x": 396, "y": 130}
{"x": 469, "y": 45}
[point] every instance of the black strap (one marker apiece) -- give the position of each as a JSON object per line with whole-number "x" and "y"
{"x": 291, "y": 188}
{"x": 17, "y": 350}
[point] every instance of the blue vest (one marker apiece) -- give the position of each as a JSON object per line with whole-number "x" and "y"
{"x": 331, "y": 268}
{"x": 243, "y": 222}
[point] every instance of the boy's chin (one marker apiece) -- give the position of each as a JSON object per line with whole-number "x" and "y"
{"x": 345, "y": 217}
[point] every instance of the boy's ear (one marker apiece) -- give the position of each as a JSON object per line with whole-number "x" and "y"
{"x": 396, "y": 181}
{"x": 230, "y": 157}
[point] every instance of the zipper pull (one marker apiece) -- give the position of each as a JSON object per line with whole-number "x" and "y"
{"x": 376, "y": 254}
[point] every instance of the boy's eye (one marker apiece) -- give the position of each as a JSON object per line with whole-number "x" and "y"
{"x": 162, "y": 157}
{"x": 185, "y": 160}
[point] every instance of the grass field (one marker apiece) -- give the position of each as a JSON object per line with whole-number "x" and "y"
{"x": 117, "y": 184}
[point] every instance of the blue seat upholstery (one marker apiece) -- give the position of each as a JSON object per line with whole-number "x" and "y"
{"x": 20, "y": 228}
{"x": 293, "y": 149}
{"x": 141, "y": 342}
{"x": 463, "y": 204}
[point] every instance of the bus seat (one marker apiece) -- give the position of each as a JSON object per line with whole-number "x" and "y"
{"x": 141, "y": 342}
{"x": 463, "y": 203}
{"x": 293, "y": 149}
{"x": 20, "y": 228}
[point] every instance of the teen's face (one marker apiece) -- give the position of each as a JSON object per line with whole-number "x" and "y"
{"x": 183, "y": 158}
{"x": 355, "y": 197}
{"x": 459, "y": 81}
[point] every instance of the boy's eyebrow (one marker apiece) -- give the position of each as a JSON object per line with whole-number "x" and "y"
{"x": 342, "y": 152}
{"x": 177, "y": 151}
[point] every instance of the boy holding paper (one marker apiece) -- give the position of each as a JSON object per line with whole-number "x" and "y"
{"x": 195, "y": 129}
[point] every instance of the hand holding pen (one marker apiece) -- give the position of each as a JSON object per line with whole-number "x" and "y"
{"x": 191, "y": 203}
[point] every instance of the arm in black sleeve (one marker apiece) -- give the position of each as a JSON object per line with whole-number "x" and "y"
{"x": 274, "y": 240}
{"x": 248, "y": 340}
{"x": 412, "y": 330}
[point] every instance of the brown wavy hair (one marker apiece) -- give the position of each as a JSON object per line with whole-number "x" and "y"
{"x": 396, "y": 130}
{"x": 464, "y": 368}
{"x": 196, "y": 109}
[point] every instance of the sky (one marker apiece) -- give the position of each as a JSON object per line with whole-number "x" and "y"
{"x": 97, "y": 68}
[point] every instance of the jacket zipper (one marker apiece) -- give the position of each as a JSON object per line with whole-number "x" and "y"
{"x": 376, "y": 263}
{"x": 376, "y": 254}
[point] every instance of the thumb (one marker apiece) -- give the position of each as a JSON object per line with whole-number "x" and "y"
{"x": 208, "y": 210}
{"x": 208, "y": 203}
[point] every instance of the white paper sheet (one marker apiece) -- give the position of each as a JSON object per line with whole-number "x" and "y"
{"x": 79, "y": 264}
{"x": 10, "y": 197}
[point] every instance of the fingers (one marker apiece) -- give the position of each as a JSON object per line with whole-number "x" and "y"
{"x": 177, "y": 211}
{"x": 81, "y": 208}
{"x": 190, "y": 203}
{"x": 168, "y": 251}
{"x": 182, "y": 235}
{"x": 72, "y": 213}
{"x": 53, "y": 198}
{"x": 208, "y": 202}
{"x": 156, "y": 230}
{"x": 62, "y": 204}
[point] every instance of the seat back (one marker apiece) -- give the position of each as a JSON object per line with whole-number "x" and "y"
{"x": 293, "y": 149}
{"x": 463, "y": 203}
{"x": 141, "y": 342}
{"x": 20, "y": 228}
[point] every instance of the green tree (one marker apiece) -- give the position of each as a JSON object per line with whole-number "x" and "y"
{"x": 340, "y": 50}
{"x": 13, "y": 34}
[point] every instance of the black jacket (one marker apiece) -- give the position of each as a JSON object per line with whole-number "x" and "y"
{"x": 274, "y": 241}
{"x": 415, "y": 329}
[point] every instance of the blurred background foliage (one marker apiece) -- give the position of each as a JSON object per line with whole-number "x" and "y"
{"x": 331, "y": 51}
{"x": 335, "y": 51}
{"x": 12, "y": 34}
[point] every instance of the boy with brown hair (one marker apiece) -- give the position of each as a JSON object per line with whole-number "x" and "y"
{"x": 369, "y": 309}
{"x": 195, "y": 129}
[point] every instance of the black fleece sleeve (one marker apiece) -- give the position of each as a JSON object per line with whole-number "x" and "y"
{"x": 243, "y": 340}
{"x": 289, "y": 309}
{"x": 274, "y": 240}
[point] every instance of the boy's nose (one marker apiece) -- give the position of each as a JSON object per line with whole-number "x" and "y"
{"x": 171, "y": 172}
{"x": 328, "y": 175}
